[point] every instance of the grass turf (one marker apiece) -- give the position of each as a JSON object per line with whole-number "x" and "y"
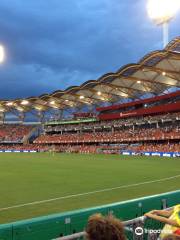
{"x": 29, "y": 177}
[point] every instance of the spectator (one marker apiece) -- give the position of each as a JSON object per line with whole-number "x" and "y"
{"x": 171, "y": 218}
{"x": 104, "y": 228}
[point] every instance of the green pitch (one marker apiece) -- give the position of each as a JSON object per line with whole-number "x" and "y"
{"x": 38, "y": 184}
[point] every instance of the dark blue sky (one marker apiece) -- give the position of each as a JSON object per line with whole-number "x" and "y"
{"x": 54, "y": 44}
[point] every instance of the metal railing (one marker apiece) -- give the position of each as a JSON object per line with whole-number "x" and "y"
{"x": 136, "y": 229}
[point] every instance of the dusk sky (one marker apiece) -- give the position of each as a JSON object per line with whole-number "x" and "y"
{"x": 52, "y": 45}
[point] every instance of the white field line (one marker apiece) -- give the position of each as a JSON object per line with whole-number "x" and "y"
{"x": 87, "y": 193}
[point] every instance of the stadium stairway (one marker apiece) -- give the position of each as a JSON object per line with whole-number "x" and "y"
{"x": 58, "y": 225}
{"x": 34, "y": 132}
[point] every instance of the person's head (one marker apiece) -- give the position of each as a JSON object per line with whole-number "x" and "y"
{"x": 104, "y": 228}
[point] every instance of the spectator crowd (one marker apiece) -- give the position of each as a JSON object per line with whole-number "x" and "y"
{"x": 13, "y": 132}
{"x": 118, "y": 123}
{"x": 153, "y": 133}
{"x": 128, "y": 135}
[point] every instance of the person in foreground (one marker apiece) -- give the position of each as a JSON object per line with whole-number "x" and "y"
{"x": 104, "y": 228}
{"x": 171, "y": 218}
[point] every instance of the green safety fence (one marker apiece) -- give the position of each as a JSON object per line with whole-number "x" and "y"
{"x": 57, "y": 225}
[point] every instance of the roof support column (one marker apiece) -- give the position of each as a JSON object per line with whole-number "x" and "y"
{"x": 21, "y": 116}
{"x": 41, "y": 115}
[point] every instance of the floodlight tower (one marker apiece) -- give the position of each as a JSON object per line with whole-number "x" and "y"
{"x": 2, "y": 54}
{"x": 161, "y": 12}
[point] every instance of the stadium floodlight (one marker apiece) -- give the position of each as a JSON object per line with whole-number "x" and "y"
{"x": 161, "y": 12}
{"x": 2, "y": 54}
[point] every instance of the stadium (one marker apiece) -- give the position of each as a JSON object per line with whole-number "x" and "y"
{"x": 109, "y": 146}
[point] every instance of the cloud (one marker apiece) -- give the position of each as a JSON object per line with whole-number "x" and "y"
{"x": 55, "y": 44}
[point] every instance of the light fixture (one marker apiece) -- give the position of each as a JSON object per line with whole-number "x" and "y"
{"x": 38, "y": 108}
{"x": 2, "y": 54}
{"x": 99, "y": 93}
{"x": 24, "y": 102}
{"x": 138, "y": 81}
{"x": 9, "y": 103}
{"x": 164, "y": 73}
{"x": 52, "y": 102}
{"x": 20, "y": 109}
{"x": 81, "y": 97}
{"x": 161, "y": 12}
{"x": 124, "y": 94}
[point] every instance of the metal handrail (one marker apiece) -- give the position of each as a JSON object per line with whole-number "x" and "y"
{"x": 72, "y": 236}
{"x": 125, "y": 223}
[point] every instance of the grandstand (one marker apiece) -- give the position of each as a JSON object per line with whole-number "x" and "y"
{"x": 123, "y": 117}
{"x": 14, "y": 133}
{"x": 117, "y": 127}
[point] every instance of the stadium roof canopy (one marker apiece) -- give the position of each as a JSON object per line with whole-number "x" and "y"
{"x": 154, "y": 73}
